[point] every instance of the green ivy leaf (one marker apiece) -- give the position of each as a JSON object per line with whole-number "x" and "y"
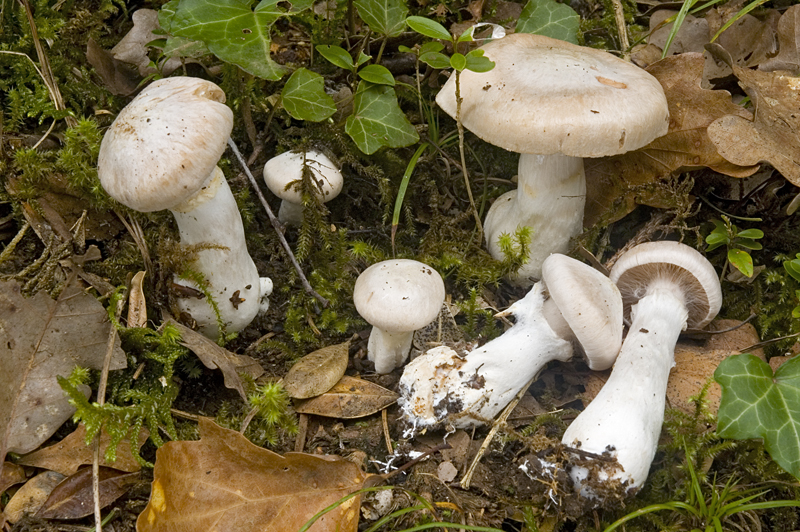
{"x": 336, "y": 55}
{"x": 232, "y": 31}
{"x": 551, "y": 19}
{"x": 477, "y": 62}
{"x": 386, "y": 17}
{"x": 757, "y": 404}
{"x": 377, "y": 74}
{"x": 741, "y": 260}
{"x": 435, "y": 60}
{"x": 304, "y": 96}
{"x": 377, "y": 119}
{"x": 428, "y": 28}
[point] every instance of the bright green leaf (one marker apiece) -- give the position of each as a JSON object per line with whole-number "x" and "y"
{"x": 477, "y": 62}
{"x": 304, "y": 96}
{"x": 792, "y": 267}
{"x": 232, "y": 31}
{"x": 377, "y": 119}
{"x": 431, "y": 46}
{"x": 362, "y": 58}
{"x": 551, "y": 19}
{"x": 428, "y": 28}
{"x": 385, "y": 17}
{"x": 757, "y": 404}
{"x": 435, "y": 60}
{"x": 748, "y": 244}
{"x": 753, "y": 234}
{"x": 715, "y": 240}
{"x": 336, "y": 55}
{"x": 467, "y": 35}
{"x": 377, "y": 74}
{"x": 741, "y": 260}
{"x": 458, "y": 61}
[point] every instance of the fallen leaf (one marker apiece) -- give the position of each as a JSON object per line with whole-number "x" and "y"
{"x": 749, "y": 41}
{"x": 350, "y": 398}
{"x": 616, "y": 184}
{"x": 691, "y": 36}
{"x": 11, "y": 474}
{"x": 43, "y": 339}
{"x": 116, "y": 76}
{"x": 317, "y": 372}
{"x": 771, "y": 136}
{"x": 137, "y": 305}
{"x": 73, "y": 497}
{"x": 215, "y": 357}
{"x": 30, "y": 497}
{"x": 224, "y": 482}
{"x": 72, "y": 452}
{"x": 132, "y": 48}
{"x": 788, "y": 57}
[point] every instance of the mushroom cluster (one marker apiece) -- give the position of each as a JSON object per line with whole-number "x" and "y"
{"x": 161, "y": 152}
{"x": 554, "y": 103}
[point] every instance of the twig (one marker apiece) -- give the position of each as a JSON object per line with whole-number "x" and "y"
{"x": 622, "y": 30}
{"x": 489, "y": 437}
{"x": 277, "y": 225}
{"x": 386, "y": 437}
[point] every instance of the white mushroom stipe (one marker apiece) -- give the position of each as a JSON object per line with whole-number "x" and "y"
{"x": 443, "y": 387}
{"x": 161, "y": 153}
{"x": 666, "y": 285}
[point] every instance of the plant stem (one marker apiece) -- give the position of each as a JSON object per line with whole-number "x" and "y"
{"x": 463, "y": 158}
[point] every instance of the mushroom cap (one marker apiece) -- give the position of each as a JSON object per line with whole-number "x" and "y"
{"x": 590, "y": 303}
{"x": 164, "y": 145}
{"x": 547, "y": 96}
{"x": 678, "y": 263}
{"x": 288, "y": 167}
{"x": 399, "y": 295}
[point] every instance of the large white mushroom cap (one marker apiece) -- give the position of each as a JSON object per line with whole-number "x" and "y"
{"x": 547, "y": 96}
{"x": 163, "y": 146}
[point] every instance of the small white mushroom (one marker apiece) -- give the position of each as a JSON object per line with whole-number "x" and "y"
{"x": 283, "y": 173}
{"x": 584, "y": 310}
{"x": 665, "y": 286}
{"x": 161, "y": 153}
{"x": 396, "y": 297}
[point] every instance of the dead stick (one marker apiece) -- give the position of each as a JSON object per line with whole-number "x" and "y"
{"x": 276, "y": 224}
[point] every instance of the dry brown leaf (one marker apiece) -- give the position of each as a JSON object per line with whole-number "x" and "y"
{"x": 215, "y": 357}
{"x": 317, "y": 372}
{"x": 349, "y": 398}
{"x": 772, "y": 136}
{"x": 616, "y": 184}
{"x": 225, "y": 483}
{"x": 72, "y": 452}
{"x": 116, "y": 76}
{"x": 132, "y": 49}
{"x": 695, "y": 364}
{"x": 43, "y": 339}
{"x": 73, "y": 497}
{"x": 788, "y": 57}
{"x": 11, "y": 474}
{"x": 30, "y": 497}
{"x": 137, "y": 305}
{"x": 691, "y": 36}
{"x": 749, "y": 40}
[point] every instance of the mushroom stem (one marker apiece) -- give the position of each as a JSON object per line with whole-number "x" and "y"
{"x": 290, "y": 213}
{"x": 211, "y": 218}
{"x": 549, "y": 198}
{"x": 388, "y": 350}
{"x": 626, "y": 416}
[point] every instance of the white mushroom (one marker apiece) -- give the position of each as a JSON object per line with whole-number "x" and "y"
{"x": 161, "y": 153}
{"x": 396, "y": 297}
{"x": 554, "y": 103}
{"x": 665, "y": 286}
{"x": 584, "y": 308}
{"x": 283, "y": 173}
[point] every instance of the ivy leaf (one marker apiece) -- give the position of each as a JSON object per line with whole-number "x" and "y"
{"x": 428, "y": 28}
{"x": 232, "y": 31}
{"x": 377, "y": 74}
{"x": 757, "y": 404}
{"x": 377, "y": 119}
{"x": 551, "y": 19}
{"x": 336, "y": 55}
{"x": 741, "y": 260}
{"x": 386, "y": 17}
{"x": 304, "y": 96}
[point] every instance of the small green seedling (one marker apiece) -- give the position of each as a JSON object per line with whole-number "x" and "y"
{"x": 739, "y": 244}
{"x": 792, "y": 267}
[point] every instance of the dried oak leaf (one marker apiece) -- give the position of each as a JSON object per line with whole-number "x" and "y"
{"x": 72, "y": 452}
{"x": 73, "y": 497}
{"x": 215, "y": 357}
{"x": 615, "y": 185}
{"x": 350, "y": 398}
{"x": 773, "y": 134}
{"x": 43, "y": 339}
{"x": 317, "y": 372}
{"x": 788, "y": 57}
{"x": 11, "y": 474}
{"x": 224, "y": 482}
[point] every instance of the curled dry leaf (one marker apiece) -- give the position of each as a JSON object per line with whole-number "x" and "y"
{"x": 73, "y": 497}
{"x": 215, "y": 357}
{"x": 349, "y": 398}
{"x": 614, "y": 185}
{"x": 788, "y": 57}
{"x": 43, "y": 339}
{"x": 72, "y": 452}
{"x": 137, "y": 305}
{"x": 773, "y": 135}
{"x": 224, "y": 482}
{"x": 317, "y": 372}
